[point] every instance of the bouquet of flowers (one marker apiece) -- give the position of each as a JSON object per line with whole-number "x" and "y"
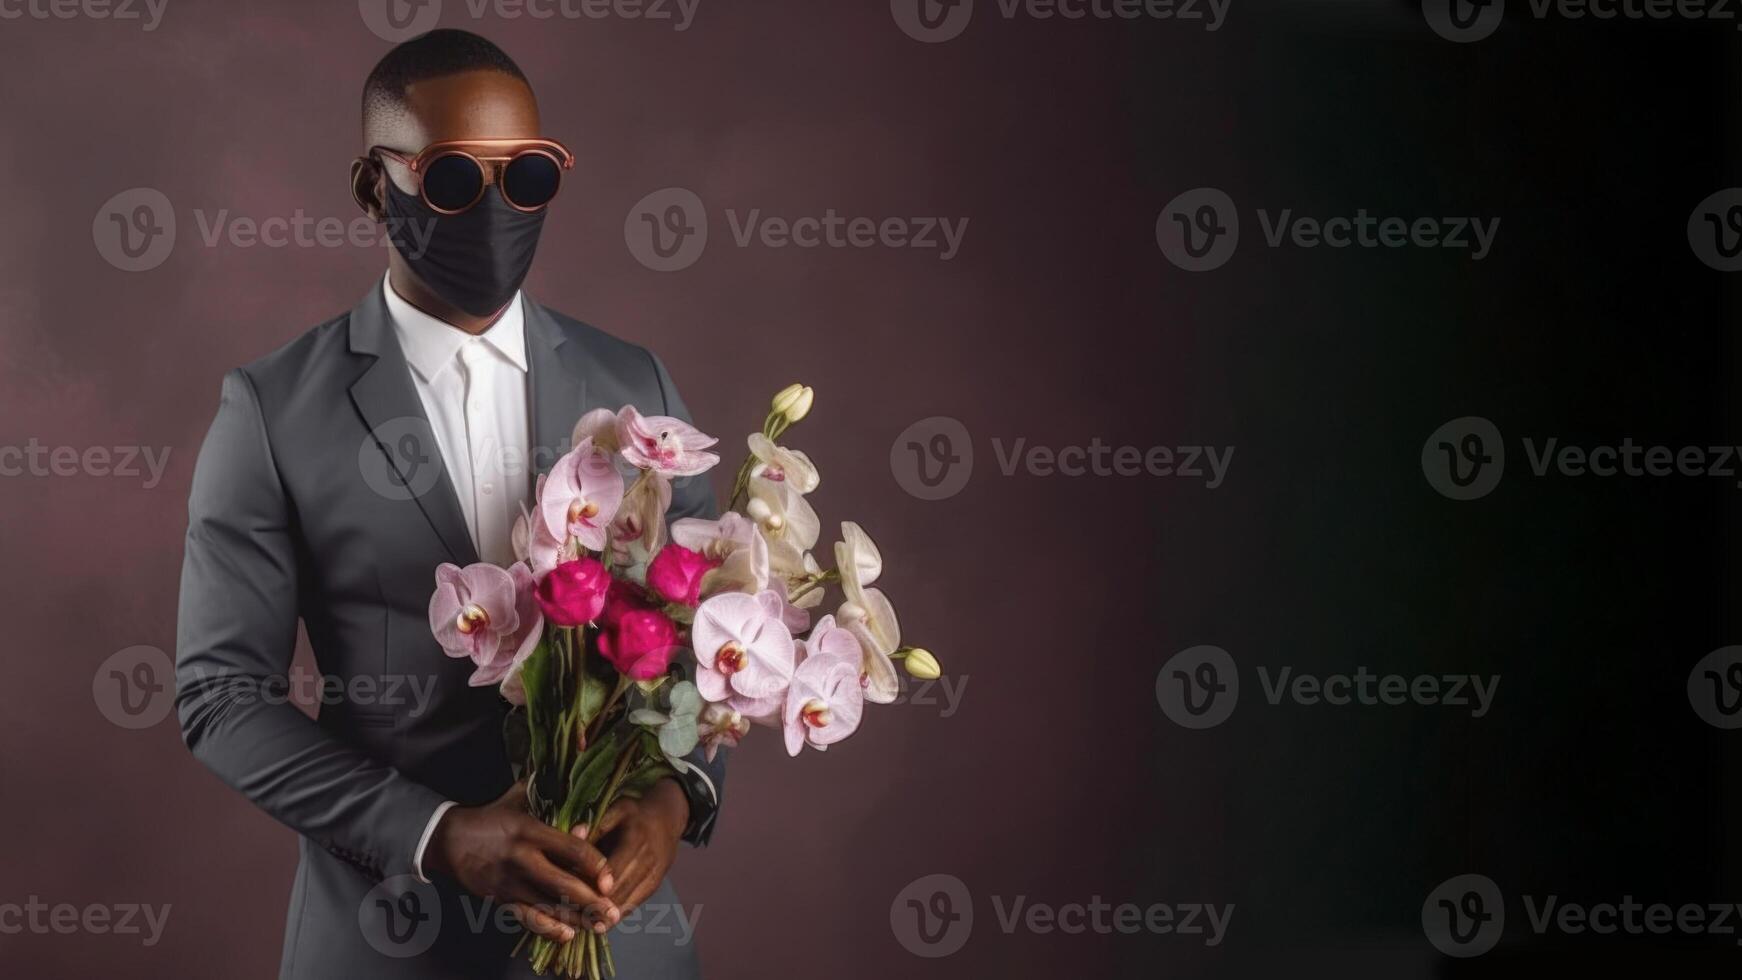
{"x": 583, "y": 633}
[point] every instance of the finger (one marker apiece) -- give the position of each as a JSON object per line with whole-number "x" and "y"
{"x": 613, "y": 818}
{"x": 564, "y": 889}
{"x": 541, "y": 923}
{"x": 578, "y": 856}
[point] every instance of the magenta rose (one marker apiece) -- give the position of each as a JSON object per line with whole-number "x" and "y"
{"x": 641, "y": 645}
{"x": 623, "y": 597}
{"x": 573, "y": 593}
{"x": 676, "y": 574}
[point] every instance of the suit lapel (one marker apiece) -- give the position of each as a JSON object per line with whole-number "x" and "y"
{"x": 388, "y": 401}
{"x": 559, "y": 386}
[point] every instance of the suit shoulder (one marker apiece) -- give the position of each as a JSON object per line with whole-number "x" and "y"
{"x": 302, "y": 362}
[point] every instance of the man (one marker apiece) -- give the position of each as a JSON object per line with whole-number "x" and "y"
{"x": 340, "y": 471}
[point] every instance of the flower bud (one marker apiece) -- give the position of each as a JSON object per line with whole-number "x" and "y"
{"x": 785, "y": 398}
{"x": 801, "y": 406}
{"x": 921, "y": 664}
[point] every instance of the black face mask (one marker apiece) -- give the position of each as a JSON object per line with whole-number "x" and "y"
{"x": 475, "y": 259}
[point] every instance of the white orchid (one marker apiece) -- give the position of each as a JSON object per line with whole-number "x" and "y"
{"x": 867, "y": 613}
{"x": 735, "y": 543}
{"x": 782, "y": 514}
{"x": 782, "y": 465}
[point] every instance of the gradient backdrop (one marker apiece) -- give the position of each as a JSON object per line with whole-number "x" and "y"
{"x": 1043, "y": 765}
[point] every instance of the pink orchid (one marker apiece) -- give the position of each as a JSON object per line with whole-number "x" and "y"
{"x": 641, "y": 518}
{"x": 598, "y": 425}
{"x": 581, "y": 496}
{"x": 825, "y": 701}
{"x": 666, "y": 445}
{"x": 744, "y": 653}
{"x": 488, "y": 614}
{"x": 719, "y": 725}
{"x": 533, "y": 542}
{"x": 734, "y": 542}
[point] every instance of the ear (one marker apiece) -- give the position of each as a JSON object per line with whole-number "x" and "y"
{"x": 368, "y": 180}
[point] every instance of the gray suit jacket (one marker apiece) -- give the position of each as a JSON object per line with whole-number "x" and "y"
{"x": 320, "y": 496}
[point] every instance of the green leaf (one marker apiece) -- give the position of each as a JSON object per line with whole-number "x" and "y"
{"x": 647, "y": 717}
{"x": 592, "y": 771}
{"x": 593, "y": 694}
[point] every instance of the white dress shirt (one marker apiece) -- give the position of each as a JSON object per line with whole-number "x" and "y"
{"x": 474, "y": 391}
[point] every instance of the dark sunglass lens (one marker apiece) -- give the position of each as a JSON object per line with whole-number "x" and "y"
{"x": 530, "y": 180}
{"x": 452, "y": 183}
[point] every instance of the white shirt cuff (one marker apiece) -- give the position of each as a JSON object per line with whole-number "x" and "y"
{"x": 423, "y": 842}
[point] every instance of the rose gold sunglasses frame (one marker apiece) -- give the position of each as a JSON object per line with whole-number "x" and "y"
{"x": 492, "y": 166}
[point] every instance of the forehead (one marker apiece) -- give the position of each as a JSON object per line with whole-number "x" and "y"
{"x": 465, "y": 106}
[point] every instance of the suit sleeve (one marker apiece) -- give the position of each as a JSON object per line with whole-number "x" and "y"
{"x": 235, "y": 636}
{"x": 693, "y": 496}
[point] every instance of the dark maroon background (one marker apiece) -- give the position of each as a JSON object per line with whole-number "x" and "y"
{"x": 1055, "y": 600}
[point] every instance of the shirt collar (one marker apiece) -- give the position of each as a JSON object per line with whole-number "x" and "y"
{"x": 431, "y": 345}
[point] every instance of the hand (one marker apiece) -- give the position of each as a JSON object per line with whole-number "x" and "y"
{"x": 556, "y": 883}
{"x": 640, "y": 838}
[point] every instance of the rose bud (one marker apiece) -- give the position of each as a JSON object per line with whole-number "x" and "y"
{"x": 622, "y": 597}
{"x": 676, "y": 574}
{"x": 573, "y": 593}
{"x": 641, "y": 645}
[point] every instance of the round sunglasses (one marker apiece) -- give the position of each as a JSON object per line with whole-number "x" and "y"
{"x": 452, "y": 175}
